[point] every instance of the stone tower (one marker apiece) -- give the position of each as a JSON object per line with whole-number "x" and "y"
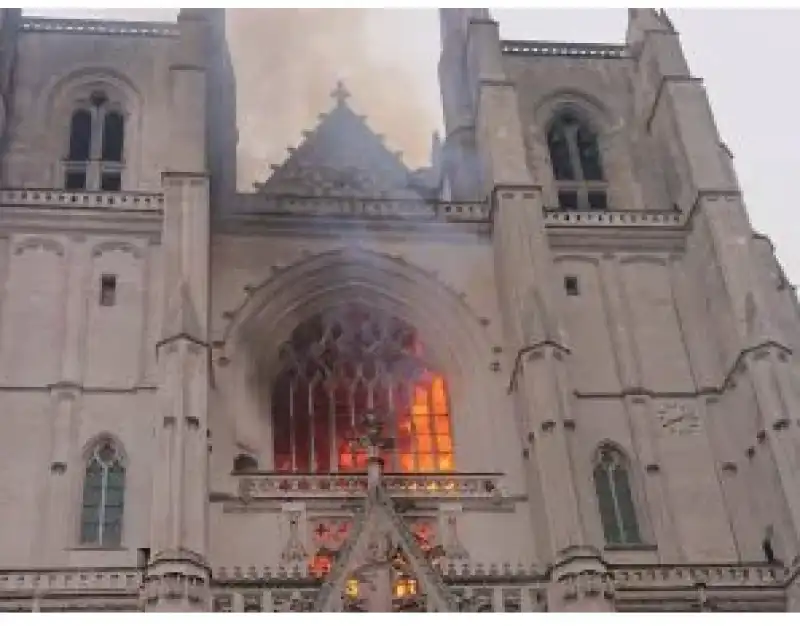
{"x": 555, "y": 371}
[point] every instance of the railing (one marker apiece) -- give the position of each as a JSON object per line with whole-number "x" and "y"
{"x": 655, "y": 576}
{"x": 53, "y": 198}
{"x": 455, "y": 486}
{"x": 560, "y": 217}
{"x": 565, "y": 49}
{"x": 355, "y": 208}
{"x": 77, "y": 579}
{"x": 97, "y": 27}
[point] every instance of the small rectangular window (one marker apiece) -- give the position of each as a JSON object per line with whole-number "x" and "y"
{"x": 108, "y": 290}
{"x": 571, "y": 285}
{"x": 75, "y": 181}
{"x": 111, "y": 181}
{"x": 568, "y": 200}
{"x": 598, "y": 200}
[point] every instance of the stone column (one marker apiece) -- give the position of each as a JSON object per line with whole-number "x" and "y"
{"x": 526, "y": 285}
{"x": 178, "y": 573}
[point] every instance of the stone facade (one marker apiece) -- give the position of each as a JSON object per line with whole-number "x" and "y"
{"x": 144, "y": 329}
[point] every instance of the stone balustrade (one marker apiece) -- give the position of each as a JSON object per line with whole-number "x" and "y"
{"x": 434, "y": 486}
{"x": 563, "y": 49}
{"x": 94, "y": 27}
{"x": 245, "y": 205}
{"x": 616, "y": 219}
{"x": 57, "y": 581}
{"x": 654, "y": 576}
{"x": 105, "y": 200}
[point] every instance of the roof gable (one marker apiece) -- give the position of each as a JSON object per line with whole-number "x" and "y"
{"x": 378, "y": 532}
{"x": 341, "y": 157}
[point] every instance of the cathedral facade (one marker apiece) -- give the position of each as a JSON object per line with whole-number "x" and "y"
{"x": 552, "y": 371}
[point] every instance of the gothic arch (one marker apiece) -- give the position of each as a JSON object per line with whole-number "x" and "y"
{"x": 613, "y": 146}
{"x": 620, "y": 503}
{"x": 590, "y": 109}
{"x": 103, "y": 453}
{"x": 63, "y": 92}
{"x": 456, "y": 341}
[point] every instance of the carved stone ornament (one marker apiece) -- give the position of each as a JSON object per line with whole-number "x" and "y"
{"x": 677, "y": 418}
{"x": 294, "y": 551}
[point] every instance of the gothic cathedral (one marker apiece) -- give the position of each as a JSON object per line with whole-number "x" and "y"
{"x": 552, "y": 371}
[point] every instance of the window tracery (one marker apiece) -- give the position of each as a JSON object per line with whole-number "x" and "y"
{"x": 575, "y": 159}
{"x": 103, "y": 496}
{"x": 342, "y": 363}
{"x": 95, "y": 154}
{"x": 615, "y": 498}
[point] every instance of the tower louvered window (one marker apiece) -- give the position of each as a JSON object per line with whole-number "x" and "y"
{"x": 343, "y": 363}
{"x": 95, "y": 152}
{"x": 577, "y": 169}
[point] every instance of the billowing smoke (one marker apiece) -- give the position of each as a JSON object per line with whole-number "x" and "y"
{"x": 287, "y": 62}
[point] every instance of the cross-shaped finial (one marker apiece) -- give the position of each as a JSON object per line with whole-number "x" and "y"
{"x": 340, "y": 94}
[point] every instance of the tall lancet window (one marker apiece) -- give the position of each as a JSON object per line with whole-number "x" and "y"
{"x": 96, "y": 141}
{"x": 575, "y": 158}
{"x": 615, "y": 498}
{"x": 103, "y": 496}
{"x": 342, "y": 363}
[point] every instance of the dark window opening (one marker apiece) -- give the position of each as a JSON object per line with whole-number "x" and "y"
{"x": 75, "y": 181}
{"x": 80, "y": 136}
{"x": 113, "y": 137}
{"x": 560, "y": 153}
{"x": 568, "y": 200}
{"x": 598, "y": 200}
{"x": 245, "y": 463}
{"x": 571, "y": 285}
{"x": 108, "y": 290}
{"x": 111, "y": 181}
{"x": 589, "y": 154}
{"x": 575, "y": 158}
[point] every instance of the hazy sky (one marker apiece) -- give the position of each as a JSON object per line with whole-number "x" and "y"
{"x": 737, "y": 52}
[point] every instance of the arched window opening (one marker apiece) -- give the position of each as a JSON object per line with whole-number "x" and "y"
{"x": 615, "y": 498}
{"x": 80, "y": 136}
{"x": 336, "y": 367}
{"x": 103, "y": 496}
{"x": 577, "y": 169}
{"x": 96, "y": 146}
{"x": 113, "y": 137}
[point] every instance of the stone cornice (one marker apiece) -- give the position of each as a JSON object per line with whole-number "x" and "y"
{"x": 529, "y": 349}
{"x": 721, "y": 387}
{"x": 182, "y": 337}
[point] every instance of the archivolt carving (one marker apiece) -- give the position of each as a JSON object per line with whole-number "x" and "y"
{"x": 576, "y": 258}
{"x": 642, "y": 258}
{"x": 39, "y": 243}
{"x": 589, "y": 108}
{"x": 117, "y": 246}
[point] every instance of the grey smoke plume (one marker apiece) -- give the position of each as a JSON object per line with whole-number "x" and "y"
{"x": 287, "y": 62}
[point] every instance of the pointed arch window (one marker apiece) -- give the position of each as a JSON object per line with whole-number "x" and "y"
{"x": 96, "y": 146}
{"x": 342, "y": 363}
{"x": 577, "y": 168}
{"x": 615, "y": 498}
{"x": 103, "y": 496}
